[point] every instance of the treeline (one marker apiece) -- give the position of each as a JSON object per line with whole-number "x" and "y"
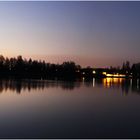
{"x": 127, "y": 69}
{"x": 19, "y": 67}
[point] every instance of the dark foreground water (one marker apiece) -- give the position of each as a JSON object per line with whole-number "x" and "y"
{"x": 106, "y": 108}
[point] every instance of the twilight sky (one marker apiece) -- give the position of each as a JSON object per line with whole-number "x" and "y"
{"x": 92, "y": 33}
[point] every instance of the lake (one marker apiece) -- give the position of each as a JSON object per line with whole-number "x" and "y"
{"x": 97, "y": 108}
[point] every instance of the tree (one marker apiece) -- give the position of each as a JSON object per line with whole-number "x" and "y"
{"x": 126, "y": 67}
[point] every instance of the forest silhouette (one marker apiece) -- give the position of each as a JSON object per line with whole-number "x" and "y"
{"x": 17, "y": 67}
{"x": 23, "y": 68}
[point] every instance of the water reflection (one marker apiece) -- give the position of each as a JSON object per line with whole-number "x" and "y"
{"x": 126, "y": 85}
{"x": 111, "y": 82}
{"x": 19, "y": 85}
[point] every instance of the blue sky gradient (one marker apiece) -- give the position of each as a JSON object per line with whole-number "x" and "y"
{"x": 93, "y": 33}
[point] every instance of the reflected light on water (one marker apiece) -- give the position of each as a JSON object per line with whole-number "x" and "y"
{"x": 93, "y": 82}
{"x": 83, "y": 80}
{"x": 108, "y": 82}
{"x": 20, "y": 86}
{"x": 131, "y": 82}
{"x": 137, "y": 83}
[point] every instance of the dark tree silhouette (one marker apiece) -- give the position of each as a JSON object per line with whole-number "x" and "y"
{"x": 23, "y": 68}
{"x": 19, "y": 67}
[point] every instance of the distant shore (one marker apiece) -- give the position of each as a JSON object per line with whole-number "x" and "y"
{"x": 23, "y": 68}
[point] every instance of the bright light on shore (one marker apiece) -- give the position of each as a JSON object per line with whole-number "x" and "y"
{"x": 104, "y": 73}
{"x": 94, "y": 72}
{"x": 115, "y": 75}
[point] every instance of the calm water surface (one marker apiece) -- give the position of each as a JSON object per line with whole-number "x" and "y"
{"x": 105, "y": 108}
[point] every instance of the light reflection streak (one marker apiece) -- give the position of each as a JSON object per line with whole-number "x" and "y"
{"x": 131, "y": 82}
{"x": 83, "y": 80}
{"x": 93, "y": 82}
{"x": 108, "y": 82}
{"x": 137, "y": 83}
